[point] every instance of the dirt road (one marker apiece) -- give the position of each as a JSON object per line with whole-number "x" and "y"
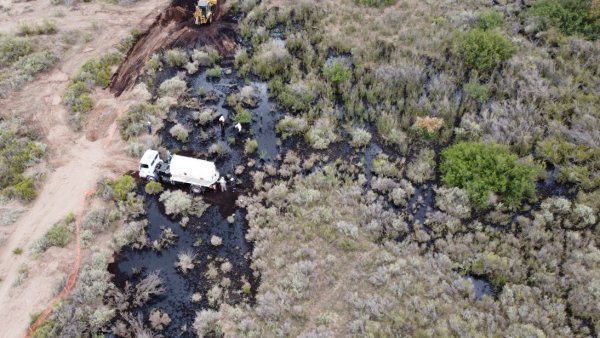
{"x": 75, "y": 163}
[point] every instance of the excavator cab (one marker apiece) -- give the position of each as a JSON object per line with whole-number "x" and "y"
{"x": 204, "y": 11}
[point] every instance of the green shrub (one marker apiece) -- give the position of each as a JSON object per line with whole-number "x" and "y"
{"x": 241, "y": 58}
{"x": 571, "y": 17}
{"x": 59, "y": 235}
{"x": 180, "y": 132}
{"x": 34, "y": 63}
{"x": 214, "y": 72}
{"x": 383, "y": 166}
{"x": 250, "y": 146}
{"x": 94, "y": 72}
{"x": 17, "y": 153}
{"x": 98, "y": 71}
{"x": 11, "y": 49}
{"x": 122, "y": 186}
{"x": 153, "y": 188}
{"x": 243, "y": 116}
{"x": 82, "y": 104}
{"x": 375, "y": 3}
{"x": 297, "y": 97}
{"x": 337, "y": 72}
{"x": 24, "y": 190}
{"x": 152, "y": 66}
{"x": 486, "y": 168}
{"x": 490, "y": 20}
{"x": 477, "y": 91}
{"x": 483, "y": 50}
{"x": 46, "y": 27}
{"x": 134, "y": 122}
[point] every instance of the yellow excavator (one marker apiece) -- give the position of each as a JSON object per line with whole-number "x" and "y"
{"x": 204, "y": 11}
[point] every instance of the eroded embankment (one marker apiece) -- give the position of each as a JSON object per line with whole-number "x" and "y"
{"x": 175, "y": 27}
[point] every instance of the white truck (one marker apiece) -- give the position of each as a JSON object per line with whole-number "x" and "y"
{"x": 179, "y": 169}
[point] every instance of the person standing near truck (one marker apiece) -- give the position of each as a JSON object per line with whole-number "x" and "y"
{"x": 223, "y": 184}
{"x": 149, "y": 126}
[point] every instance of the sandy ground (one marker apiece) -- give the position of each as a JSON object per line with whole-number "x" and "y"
{"x": 75, "y": 160}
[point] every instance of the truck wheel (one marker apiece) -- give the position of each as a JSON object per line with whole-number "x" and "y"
{"x": 151, "y": 178}
{"x": 196, "y": 189}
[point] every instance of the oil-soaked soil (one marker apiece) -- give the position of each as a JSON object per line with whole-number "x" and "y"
{"x": 132, "y": 265}
{"x": 175, "y": 27}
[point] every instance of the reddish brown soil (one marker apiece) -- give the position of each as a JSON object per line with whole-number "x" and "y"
{"x": 174, "y": 28}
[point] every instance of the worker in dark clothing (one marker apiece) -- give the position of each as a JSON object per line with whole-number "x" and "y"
{"x": 149, "y": 126}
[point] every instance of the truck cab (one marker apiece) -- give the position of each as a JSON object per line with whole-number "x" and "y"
{"x": 148, "y": 164}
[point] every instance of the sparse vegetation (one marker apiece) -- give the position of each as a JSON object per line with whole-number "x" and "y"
{"x": 18, "y": 152}
{"x": 444, "y": 191}
{"x": 22, "y": 58}
{"x": 134, "y": 122}
{"x": 46, "y": 27}
{"x": 93, "y": 73}
{"x": 59, "y": 235}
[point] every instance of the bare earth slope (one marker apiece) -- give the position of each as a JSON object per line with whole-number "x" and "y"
{"x": 75, "y": 163}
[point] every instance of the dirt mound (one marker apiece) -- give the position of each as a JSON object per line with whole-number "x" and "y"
{"x": 175, "y": 28}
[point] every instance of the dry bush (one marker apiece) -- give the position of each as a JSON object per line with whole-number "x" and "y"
{"x": 159, "y": 320}
{"x": 148, "y": 287}
{"x": 454, "y": 201}
{"x": 322, "y": 133}
{"x": 422, "y": 168}
{"x": 185, "y": 261}
{"x": 174, "y": 87}
{"x": 431, "y": 124}
{"x": 176, "y": 202}
{"x": 180, "y": 132}
{"x": 205, "y": 116}
{"x": 175, "y": 57}
{"x": 271, "y": 59}
{"x": 359, "y": 137}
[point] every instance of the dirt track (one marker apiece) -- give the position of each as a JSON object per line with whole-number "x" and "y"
{"x": 174, "y": 27}
{"x": 74, "y": 162}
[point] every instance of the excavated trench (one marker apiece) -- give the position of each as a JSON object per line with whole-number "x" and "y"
{"x": 175, "y": 27}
